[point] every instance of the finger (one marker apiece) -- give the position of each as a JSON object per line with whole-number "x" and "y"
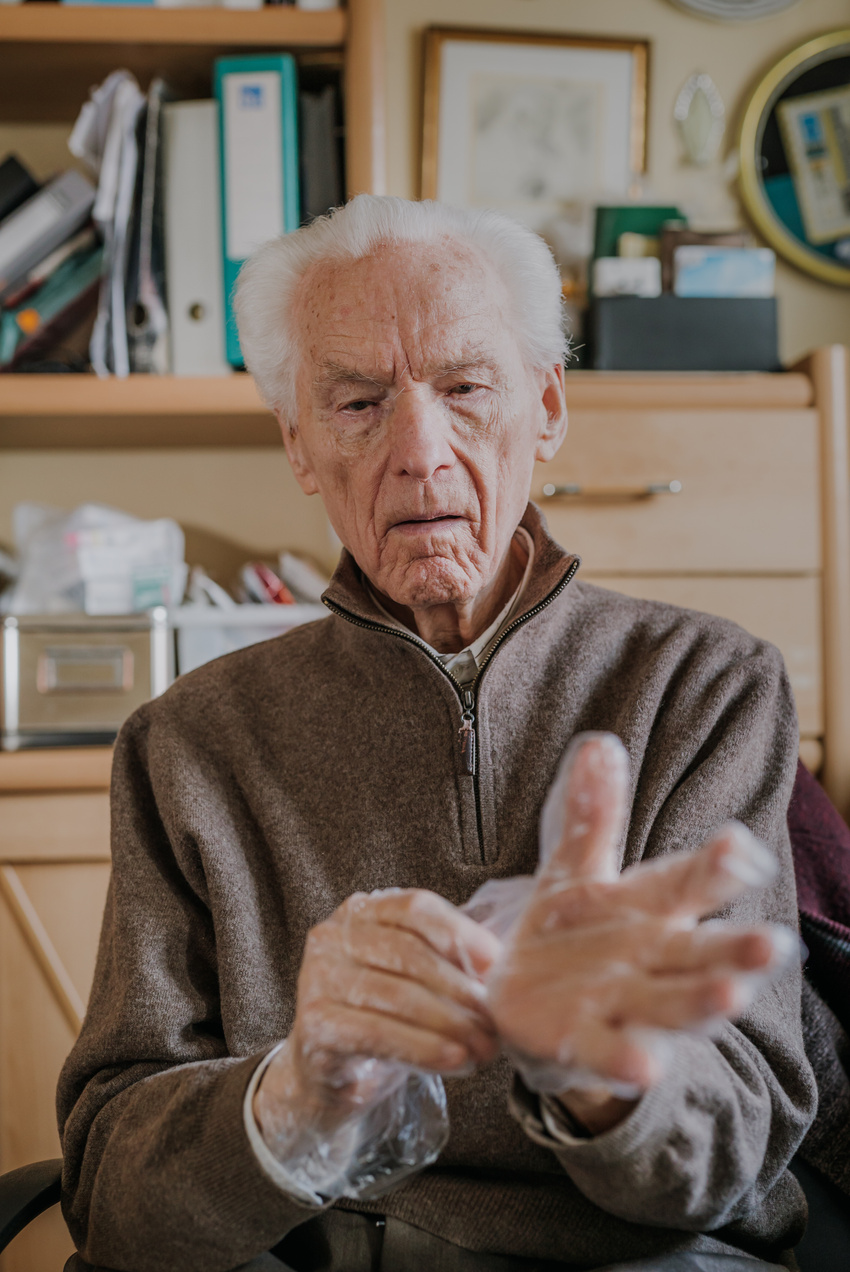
{"x": 690, "y": 886}
{"x": 715, "y": 945}
{"x": 683, "y": 886}
{"x": 394, "y": 950}
{"x": 403, "y": 999}
{"x": 341, "y": 1030}
{"x": 675, "y": 1002}
{"x": 436, "y": 921}
{"x": 655, "y": 945}
{"x": 584, "y": 813}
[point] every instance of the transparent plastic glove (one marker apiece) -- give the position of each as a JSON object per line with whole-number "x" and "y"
{"x": 390, "y": 996}
{"x": 600, "y": 970}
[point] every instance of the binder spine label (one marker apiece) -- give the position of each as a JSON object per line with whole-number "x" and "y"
{"x": 253, "y": 163}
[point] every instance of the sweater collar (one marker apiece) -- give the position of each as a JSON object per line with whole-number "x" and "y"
{"x": 347, "y": 590}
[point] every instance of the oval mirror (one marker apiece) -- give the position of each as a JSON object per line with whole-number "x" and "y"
{"x": 795, "y": 157}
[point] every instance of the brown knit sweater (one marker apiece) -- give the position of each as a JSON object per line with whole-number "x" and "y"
{"x": 263, "y": 789}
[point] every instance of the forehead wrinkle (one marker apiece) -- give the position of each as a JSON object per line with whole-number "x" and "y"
{"x": 416, "y": 334}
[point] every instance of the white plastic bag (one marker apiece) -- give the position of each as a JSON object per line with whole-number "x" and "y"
{"x": 96, "y": 560}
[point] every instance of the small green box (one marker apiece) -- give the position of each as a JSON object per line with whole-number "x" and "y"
{"x": 633, "y": 218}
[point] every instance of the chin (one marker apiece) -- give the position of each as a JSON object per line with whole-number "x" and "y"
{"x": 424, "y": 583}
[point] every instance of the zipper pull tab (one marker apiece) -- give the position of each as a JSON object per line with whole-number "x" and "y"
{"x": 466, "y": 734}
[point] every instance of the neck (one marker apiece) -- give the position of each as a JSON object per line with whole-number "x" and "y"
{"x": 451, "y": 627}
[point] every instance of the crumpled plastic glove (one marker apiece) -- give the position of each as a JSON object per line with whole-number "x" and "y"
{"x": 397, "y": 1131}
{"x": 389, "y": 997}
{"x": 599, "y": 970}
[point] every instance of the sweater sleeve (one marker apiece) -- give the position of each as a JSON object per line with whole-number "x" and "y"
{"x": 705, "y": 1146}
{"x": 159, "y": 1171}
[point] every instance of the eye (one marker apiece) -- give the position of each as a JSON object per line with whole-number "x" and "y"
{"x": 362, "y": 404}
{"x": 464, "y": 389}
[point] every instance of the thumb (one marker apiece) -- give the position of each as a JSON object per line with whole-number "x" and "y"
{"x": 584, "y": 812}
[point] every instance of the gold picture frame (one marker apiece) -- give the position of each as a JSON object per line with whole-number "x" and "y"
{"x": 757, "y": 115}
{"x": 634, "y": 95}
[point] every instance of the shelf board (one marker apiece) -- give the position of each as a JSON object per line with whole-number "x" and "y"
{"x": 150, "y": 411}
{"x": 688, "y": 390}
{"x": 101, "y": 24}
{"x": 143, "y": 411}
{"x": 51, "y": 54}
{"x": 56, "y": 769}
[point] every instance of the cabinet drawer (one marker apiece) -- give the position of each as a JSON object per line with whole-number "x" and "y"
{"x": 784, "y": 611}
{"x": 53, "y": 827}
{"x": 749, "y": 500}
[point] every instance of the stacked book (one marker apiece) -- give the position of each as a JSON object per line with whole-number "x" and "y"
{"x": 50, "y": 261}
{"x": 181, "y": 192}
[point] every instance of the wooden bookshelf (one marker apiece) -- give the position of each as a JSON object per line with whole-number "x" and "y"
{"x": 51, "y": 55}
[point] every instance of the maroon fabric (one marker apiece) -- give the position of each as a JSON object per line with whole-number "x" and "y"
{"x": 820, "y": 841}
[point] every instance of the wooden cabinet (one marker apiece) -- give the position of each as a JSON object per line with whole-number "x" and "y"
{"x": 759, "y": 533}
{"x": 729, "y": 494}
{"x": 744, "y": 496}
{"x": 54, "y": 872}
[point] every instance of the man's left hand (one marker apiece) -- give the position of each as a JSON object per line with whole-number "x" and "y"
{"x": 599, "y": 956}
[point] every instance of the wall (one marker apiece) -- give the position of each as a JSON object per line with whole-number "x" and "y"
{"x": 735, "y": 55}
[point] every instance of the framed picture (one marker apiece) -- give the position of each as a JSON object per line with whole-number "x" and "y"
{"x": 532, "y": 123}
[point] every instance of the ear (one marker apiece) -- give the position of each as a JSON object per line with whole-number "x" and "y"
{"x": 553, "y": 429}
{"x": 297, "y": 455}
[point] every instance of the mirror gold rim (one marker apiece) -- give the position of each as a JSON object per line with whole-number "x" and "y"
{"x": 755, "y": 117}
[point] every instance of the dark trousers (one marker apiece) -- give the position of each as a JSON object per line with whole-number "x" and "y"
{"x": 344, "y": 1241}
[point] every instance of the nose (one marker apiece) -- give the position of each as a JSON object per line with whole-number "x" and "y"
{"x": 419, "y": 436}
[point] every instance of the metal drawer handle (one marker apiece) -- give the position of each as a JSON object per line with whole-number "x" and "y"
{"x": 612, "y": 494}
{"x": 85, "y": 669}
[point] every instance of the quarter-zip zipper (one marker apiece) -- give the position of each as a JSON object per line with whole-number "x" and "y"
{"x": 468, "y": 695}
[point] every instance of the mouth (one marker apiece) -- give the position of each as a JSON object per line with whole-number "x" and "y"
{"x": 427, "y": 525}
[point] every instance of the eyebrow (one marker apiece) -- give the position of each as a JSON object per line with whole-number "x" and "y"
{"x": 332, "y": 373}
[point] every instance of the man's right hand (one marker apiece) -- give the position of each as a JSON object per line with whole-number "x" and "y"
{"x": 393, "y": 975}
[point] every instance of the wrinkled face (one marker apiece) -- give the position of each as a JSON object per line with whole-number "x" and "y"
{"x": 417, "y": 419}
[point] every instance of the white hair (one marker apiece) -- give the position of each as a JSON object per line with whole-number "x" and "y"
{"x": 268, "y": 281}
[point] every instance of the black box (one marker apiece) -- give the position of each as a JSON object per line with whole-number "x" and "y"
{"x": 683, "y": 333}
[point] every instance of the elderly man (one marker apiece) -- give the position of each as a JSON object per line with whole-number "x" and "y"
{"x": 295, "y": 826}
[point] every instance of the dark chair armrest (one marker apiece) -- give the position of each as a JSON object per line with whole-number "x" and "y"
{"x": 25, "y": 1193}
{"x": 826, "y": 1243}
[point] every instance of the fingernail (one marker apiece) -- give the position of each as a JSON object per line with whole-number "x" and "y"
{"x": 747, "y": 859}
{"x": 658, "y": 1044}
{"x": 786, "y": 948}
{"x": 453, "y": 1056}
{"x": 745, "y": 991}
